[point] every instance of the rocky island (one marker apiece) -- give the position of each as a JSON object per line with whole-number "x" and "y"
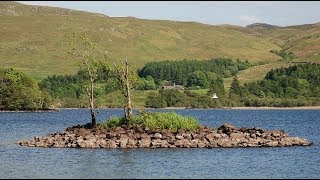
{"x": 226, "y": 136}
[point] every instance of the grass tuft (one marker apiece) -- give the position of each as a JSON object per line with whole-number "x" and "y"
{"x": 155, "y": 121}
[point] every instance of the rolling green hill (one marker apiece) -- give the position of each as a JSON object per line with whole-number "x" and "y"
{"x": 34, "y": 39}
{"x": 302, "y": 40}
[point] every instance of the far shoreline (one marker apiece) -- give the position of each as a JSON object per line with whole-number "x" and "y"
{"x": 278, "y": 108}
{"x": 182, "y": 108}
{"x": 223, "y": 108}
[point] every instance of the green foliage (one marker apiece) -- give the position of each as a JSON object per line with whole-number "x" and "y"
{"x": 284, "y": 85}
{"x": 73, "y": 86}
{"x": 20, "y": 92}
{"x": 145, "y": 84}
{"x": 155, "y": 101}
{"x": 216, "y": 86}
{"x": 173, "y": 97}
{"x": 112, "y": 84}
{"x": 235, "y": 86}
{"x": 156, "y": 121}
{"x": 277, "y": 102}
{"x": 195, "y": 100}
{"x": 179, "y": 71}
{"x": 112, "y": 122}
{"x": 283, "y": 54}
{"x": 197, "y": 78}
{"x": 176, "y": 98}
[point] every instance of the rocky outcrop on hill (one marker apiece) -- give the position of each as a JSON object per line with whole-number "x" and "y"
{"x": 226, "y": 136}
{"x": 262, "y": 25}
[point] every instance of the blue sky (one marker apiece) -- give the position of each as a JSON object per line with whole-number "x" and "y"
{"x": 282, "y": 13}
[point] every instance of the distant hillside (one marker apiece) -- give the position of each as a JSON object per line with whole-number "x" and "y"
{"x": 11, "y": 8}
{"x": 34, "y": 39}
{"x": 262, "y": 25}
{"x": 302, "y": 40}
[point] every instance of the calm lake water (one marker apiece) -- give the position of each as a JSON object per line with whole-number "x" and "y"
{"x": 281, "y": 162}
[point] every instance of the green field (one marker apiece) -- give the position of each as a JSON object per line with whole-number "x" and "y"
{"x": 254, "y": 73}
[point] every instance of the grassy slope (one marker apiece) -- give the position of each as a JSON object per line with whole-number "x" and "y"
{"x": 35, "y": 39}
{"x": 254, "y": 73}
{"x": 302, "y": 40}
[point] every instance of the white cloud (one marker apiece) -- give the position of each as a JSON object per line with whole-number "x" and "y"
{"x": 249, "y": 19}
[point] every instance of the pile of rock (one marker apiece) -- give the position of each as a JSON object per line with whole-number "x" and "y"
{"x": 226, "y": 135}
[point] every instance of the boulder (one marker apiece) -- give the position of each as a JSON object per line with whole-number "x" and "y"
{"x": 187, "y": 135}
{"x": 213, "y": 143}
{"x": 40, "y": 144}
{"x": 123, "y": 141}
{"x": 109, "y": 135}
{"x": 144, "y": 136}
{"x": 293, "y": 141}
{"x": 144, "y": 143}
{"x": 181, "y": 131}
{"x": 194, "y": 143}
{"x": 168, "y": 135}
{"x": 58, "y": 145}
{"x": 202, "y": 143}
{"x": 200, "y": 135}
{"x": 272, "y": 143}
{"x": 216, "y": 135}
{"x": 119, "y": 130}
{"x": 132, "y": 135}
{"x": 102, "y": 143}
{"x": 210, "y": 137}
{"x": 186, "y": 143}
{"x": 140, "y": 130}
{"x": 179, "y": 143}
{"x": 111, "y": 144}
{"x": 131, "y": 143}
{"x": 179, "y": 136}
{"x": 159, "y": 143}
{"x": 237, "y": 135}
{"x": 253, "y": 135}
{"x": 275, "y": 133}
{"x": 227, "y": 128}
{"x": 157, "y": 135}
{"x": 224, "y": 143}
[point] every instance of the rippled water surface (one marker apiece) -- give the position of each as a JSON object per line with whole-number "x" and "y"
{"x": 280, "y": 162}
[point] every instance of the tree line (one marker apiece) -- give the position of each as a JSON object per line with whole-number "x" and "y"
{"x": 179, "y": 71}
{"x": 20, "y": 92}
{"x": 71, "y": 86}
{"x": 297, "y": 85}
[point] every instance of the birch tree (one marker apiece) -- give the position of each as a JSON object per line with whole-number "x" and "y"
{"x": 87, "y": 55}
{"x": 126, "y": 76}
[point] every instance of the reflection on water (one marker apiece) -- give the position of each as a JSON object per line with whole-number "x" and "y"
{"x": 286, "y": 162}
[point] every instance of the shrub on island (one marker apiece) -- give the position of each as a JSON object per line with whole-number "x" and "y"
{"x": 154, "y": 121}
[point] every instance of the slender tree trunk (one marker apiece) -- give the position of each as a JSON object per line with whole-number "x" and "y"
{"x": 93, "y": 115}
{"x": 128, "y": 95}
{"x": 93, "y": 119}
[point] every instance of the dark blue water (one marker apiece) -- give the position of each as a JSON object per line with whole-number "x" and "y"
{"x": 281, "y": 162}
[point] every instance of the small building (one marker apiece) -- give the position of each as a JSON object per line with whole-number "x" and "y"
{"x": 173, "y": 87}
{"x": 214, "y": 96}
